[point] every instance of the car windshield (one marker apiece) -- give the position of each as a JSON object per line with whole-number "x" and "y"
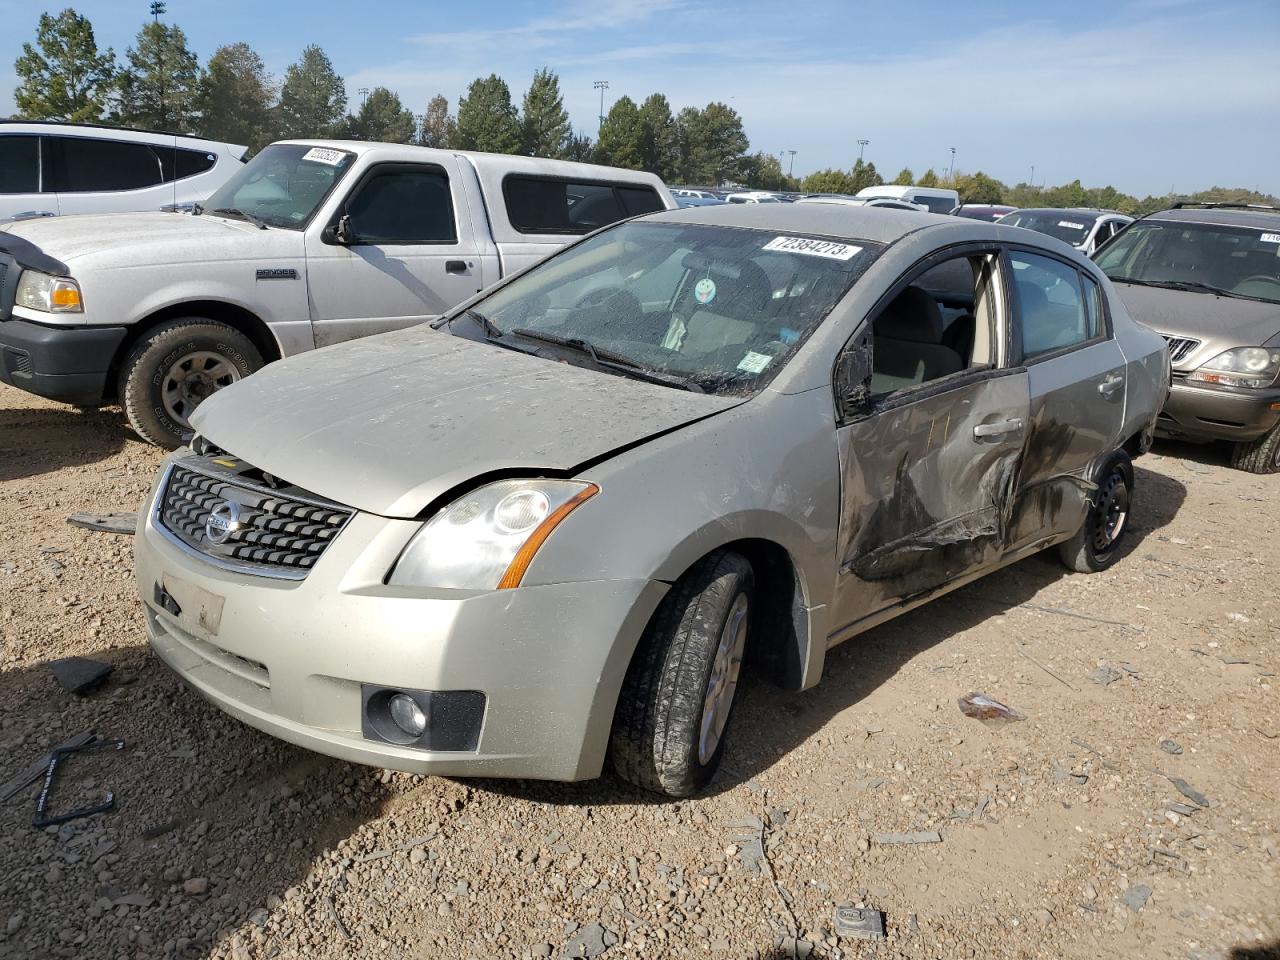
{"x": 281, "y": 186}
{"x": 718, "y": 308}
{"x": 1238, "y": 261}
{"x": 1068, "y": 226}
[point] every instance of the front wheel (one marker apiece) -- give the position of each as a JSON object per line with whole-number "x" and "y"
{"x": 174, "y": 368}
{"x": 1097, "y": 543}
{"x": 1259, "y": 456}
{"x": 673, "y": 711}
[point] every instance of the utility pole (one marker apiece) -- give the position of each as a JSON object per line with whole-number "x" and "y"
{"x": 418, "y": 119}
{"x": 1032, "y": 183}
{"x": 364, "y": 94}
{"x": 862, "y": 145}
{"x": 792, "y": 165}
{"x": 951, "y": 171}
{"x": 602, "y": 86}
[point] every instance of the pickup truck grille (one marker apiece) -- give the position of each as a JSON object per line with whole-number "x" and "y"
{"x": 262, "y": 531}
{"x": 1180, "y": 348}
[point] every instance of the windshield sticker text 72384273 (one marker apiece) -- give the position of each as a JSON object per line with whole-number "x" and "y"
{"x": 814, "y": 248}
{"x": 324, "y": 155}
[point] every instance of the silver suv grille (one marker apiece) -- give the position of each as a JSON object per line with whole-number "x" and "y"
{"x": 272, "y": 533}
{"x": 1180, "y": 348}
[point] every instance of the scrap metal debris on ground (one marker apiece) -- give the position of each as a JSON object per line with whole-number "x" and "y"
{"x": 989, "y": 711}
{"x": 123, "y": 523}
{"x": 79, "y": 675}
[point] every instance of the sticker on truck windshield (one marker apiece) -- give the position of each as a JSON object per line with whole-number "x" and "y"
{"x": 1271, "y": 238}
{"x": 814, "y": 248}
{"x": 1070, "y": 225}
{"x": 324, "y": 155}
{"x": 754, "y": 362}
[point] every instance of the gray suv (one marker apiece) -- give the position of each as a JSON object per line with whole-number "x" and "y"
{"x": 1207, "y": 277}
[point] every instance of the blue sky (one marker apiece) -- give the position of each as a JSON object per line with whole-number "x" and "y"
{"x": 1148, "y": 95}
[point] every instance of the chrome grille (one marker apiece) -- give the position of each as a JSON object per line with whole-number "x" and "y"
{"x": 1180, "y": 348}
{"x": 277, "y": 534}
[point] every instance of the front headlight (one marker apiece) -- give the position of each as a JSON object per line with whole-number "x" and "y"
{"x": 1240, "y": 367}
{"x": 40, "y": 291}
{"x": 487, "y": 539}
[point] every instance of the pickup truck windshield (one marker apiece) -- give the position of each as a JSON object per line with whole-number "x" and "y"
{"x": 282, "y": 186}
{"x": 1066, "y": 225}
{"x": 1233, "y": 261}
{"x": 721, "y": 308}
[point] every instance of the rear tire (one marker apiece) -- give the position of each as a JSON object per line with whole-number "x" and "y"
{"x": 1096, "y": 544}
{"x": 1259, "y": 456}
{"x": 176, "y": 366}
{"x": 673, "y": 712}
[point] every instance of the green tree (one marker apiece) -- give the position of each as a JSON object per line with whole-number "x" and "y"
{"x": 382, "y": 117}
{"x": 64, "y": 77}
{"x": 620, "y": 143}
{"x": 160, "y": 85}
{"x": 828, "y": 181}
{"x": 763, "y": 171}
{"x": 713, "y": 144}
{"x": 487, "y": 118}
{"x": 579, "y": 147}
{"x": 439, "y": 129}
{"x": 928, "y": 179}
{"x": 236, "y": 97}
{"x": 659, "y": 138}
{"x": 978, "y": 188}
{"x": 313, "y": 100}
{"x": 544, "y": 122}
{"x": 905, "y": 178}
{"x": 864, "y": 175}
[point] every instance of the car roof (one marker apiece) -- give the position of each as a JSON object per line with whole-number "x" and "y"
{"x": 98, "y": 128}
{"x": 1226, "y": 216}
{"x": 1087, "y": 211}
{"x": 837, "y": 220}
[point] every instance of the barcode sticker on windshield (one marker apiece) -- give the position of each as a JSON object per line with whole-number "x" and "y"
{"x": 1070, "y": 225}
{"x": 814, "y": 248}
{"x": 324, "y": 155}
{"x": 1271, "y": 238}
{"x": 754, "y": 362}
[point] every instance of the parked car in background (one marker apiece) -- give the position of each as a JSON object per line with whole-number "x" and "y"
{"x": 1207, "y": 277}
{"x": 552, "y": 530}
{"x": 692, "y": 193}
{"x": 887, "y": 202}
{"x": 753, "y": 196}
{"x": 311, "y": 243}
{"x": 1086, "y": 230}
{"x": 683, "y": 201}
{"x": 48, "y": 169}
{"x": 936, "y": 199}
{"x": 983, "y": 211}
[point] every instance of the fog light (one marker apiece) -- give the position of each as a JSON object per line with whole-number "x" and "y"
{"x": 407, "y": 715}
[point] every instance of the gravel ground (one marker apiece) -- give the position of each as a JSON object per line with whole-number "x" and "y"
{"x": 1062, "y": 836}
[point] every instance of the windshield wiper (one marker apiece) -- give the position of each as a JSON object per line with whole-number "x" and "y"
{"x": 610, "y": 360}
{"x": 237, "y": 212}
{"x": 1191, "y": 285}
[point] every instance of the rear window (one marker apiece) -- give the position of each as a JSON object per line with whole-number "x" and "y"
{"x": 83, "y": 165}
{"x": 178, "y": 164}
{"x": 936, "y": 204}
{"x": 19, "y": 164}
{"x": 549, "y": 205}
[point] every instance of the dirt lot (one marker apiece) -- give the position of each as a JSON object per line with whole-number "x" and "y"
{"x": 1061, "y": 836}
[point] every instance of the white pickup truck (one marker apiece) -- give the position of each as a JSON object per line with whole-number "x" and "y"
{"x": 309, "y": 244}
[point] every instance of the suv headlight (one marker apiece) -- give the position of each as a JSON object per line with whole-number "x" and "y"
{"x": 1240, "y": 367}
{"x": 487, "y": 539}
{"x": 48, "y": 294}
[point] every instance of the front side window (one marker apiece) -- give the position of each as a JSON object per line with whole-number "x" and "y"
{"x": 83, "y": 165}
{"x": 1051, "y": 304}
{"x": 1233, "y": 261}
{"x": 1065, "y": 225}
{"x": 724, "y": 308}
{"x": 403, "y": 206}
{"x": 547, "y": 205}
{"x": 282, "y": 186}
{"x": 19, "y": 164}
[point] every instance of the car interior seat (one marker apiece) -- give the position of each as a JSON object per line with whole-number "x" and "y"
{"x": 907, "y": 344}
{"x": 735, "y": 316}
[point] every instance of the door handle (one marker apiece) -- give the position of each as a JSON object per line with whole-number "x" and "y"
{"x": 1110, "y": 384}
{"x": 455, "y": 266}
{"x": 997, "y": 429}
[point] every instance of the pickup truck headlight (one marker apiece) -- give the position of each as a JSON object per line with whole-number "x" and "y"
{"x": 48, "y": 294}
{"x": 487, "y": 539}
{"x": 1240, "y": 367}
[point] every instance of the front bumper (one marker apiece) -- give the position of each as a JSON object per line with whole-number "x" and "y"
{"x": 70, "y": 364}
{"x": 1206, "y": 413}
{"x": 290, "y": 657}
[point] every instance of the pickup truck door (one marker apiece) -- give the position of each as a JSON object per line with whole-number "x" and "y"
{"x": 399, "y": 250}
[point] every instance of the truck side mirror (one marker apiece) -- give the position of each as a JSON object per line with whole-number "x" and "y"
{"x": 853, "y": 377}
{"x": 340, "y": 233}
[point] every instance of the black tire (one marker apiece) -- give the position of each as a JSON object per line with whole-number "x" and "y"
{"x": 1259, "y": 456}
{"x": 1096, "y": 544}
{"x": 147, "y": 391}
{"x": 657, "y": 726}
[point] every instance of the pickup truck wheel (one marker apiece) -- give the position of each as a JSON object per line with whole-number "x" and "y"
{"x": 1259, "y": 456}
{"x": 176, "y": 366}
{"x": 674, "y": 708}
{"x": 1097, "y": 543}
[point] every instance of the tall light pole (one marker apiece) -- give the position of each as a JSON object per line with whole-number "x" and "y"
{"x": 1033, "y": 176}
{"x": 364, "y": 94}
{"x": 951, "y": 171}
{"x": 862, "y": 145}
{"x": 792, "y": 165}
{"x": 157, "y": 8}
{"x": 602, "y": 86}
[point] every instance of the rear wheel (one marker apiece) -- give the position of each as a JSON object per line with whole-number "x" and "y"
{"x": 674, "y": 708}
{"x": 174, "y": 368}
{"x": 1259, "y": 456}
{"x": 1096, "y": 545}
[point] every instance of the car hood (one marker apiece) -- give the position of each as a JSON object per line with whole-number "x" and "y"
{"x": 389, "y": 423}
{"x": 142, "y": 239}
{"x": 1220, "y": 322}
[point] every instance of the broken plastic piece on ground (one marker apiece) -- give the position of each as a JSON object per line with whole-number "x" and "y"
{"x": 31, "y": 774}
{"x": 79, "y": 675}
{"x": 42, "y": 818}
{"x": 991, "y": 712}
{"x": 125, "y": 523}
{"x": 859, "y": 923}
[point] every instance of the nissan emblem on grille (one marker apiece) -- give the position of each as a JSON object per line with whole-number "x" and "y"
{"x": 224, "y": 520}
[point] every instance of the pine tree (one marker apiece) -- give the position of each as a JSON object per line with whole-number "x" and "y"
{"x": 659, "y": 139}
{"x": 544, "y": 123}
{"x": 905, "y": 177}
{"x": 236, "y": 98}
{"x": 713, "y": 144}
{"x": 159, "y": 86}
{"x": 383, "y": 117}
{"x": 439, "y": 129}
{"x": 928, "y": 179}
{"x": 487, "y": 119}
{"x": 579, "y": 147}
{"x": 313, "y": 100}
{"x": 64, "y": 77}
{"x": 621, "y": 136}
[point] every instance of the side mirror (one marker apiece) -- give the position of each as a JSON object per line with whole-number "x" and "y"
{"x": 853, "y": 377}
{"x": 340, "y": 233}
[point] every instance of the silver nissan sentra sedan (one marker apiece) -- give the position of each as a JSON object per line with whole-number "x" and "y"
{"x": 547, "y": 532}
